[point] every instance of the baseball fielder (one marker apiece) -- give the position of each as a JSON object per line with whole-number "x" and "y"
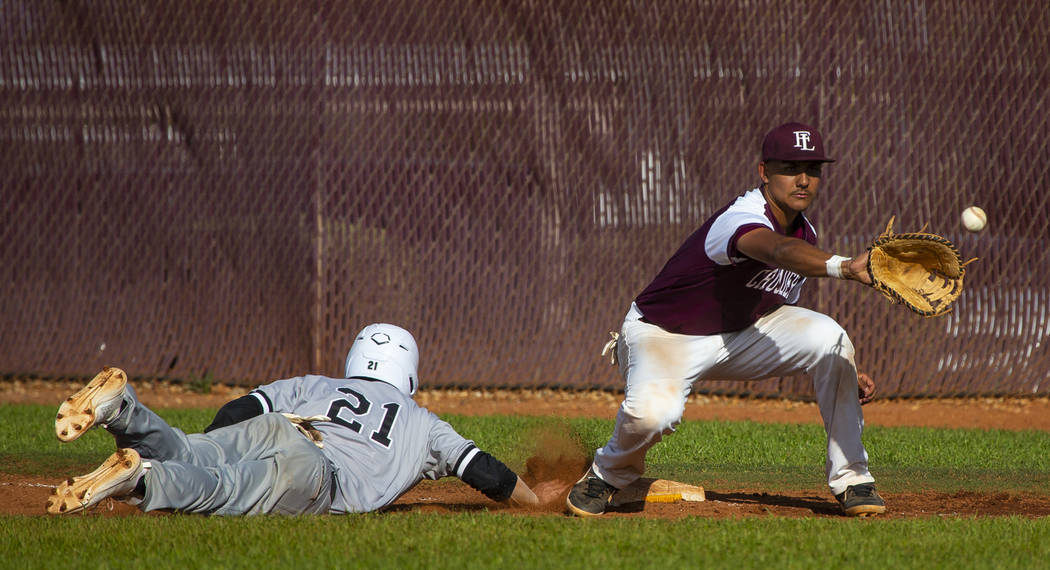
{"x": 310, "y": 444}
{"x": 723, "y": 308}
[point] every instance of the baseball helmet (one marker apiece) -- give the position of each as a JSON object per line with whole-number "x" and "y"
{"x": 386, "y": 353}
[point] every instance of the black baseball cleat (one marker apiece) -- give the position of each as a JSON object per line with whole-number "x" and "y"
{"x": 589, "y": 496}
{"x": 861, "y": 500}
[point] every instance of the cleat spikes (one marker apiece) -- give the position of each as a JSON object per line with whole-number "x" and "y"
{"x": 115, "y": 478}
{"x": 97, "y": 403}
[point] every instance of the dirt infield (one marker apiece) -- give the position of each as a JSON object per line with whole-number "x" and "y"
{"x": 27, "y": 496}
{"x": 561, "y": 463}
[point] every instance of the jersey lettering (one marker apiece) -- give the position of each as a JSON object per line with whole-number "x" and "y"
{"x": 381, "y": 436}
{"x": 777, "y": 281}
{"x": 361, "y": 408}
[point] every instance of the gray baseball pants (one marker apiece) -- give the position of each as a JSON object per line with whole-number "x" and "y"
{"x": 259, "y": 466}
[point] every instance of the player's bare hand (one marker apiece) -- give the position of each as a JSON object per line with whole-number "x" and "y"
{"x": 857, "y": 269}
{"x": 866, "y": 388}
{"x": 541, "y": 493}
{"x": 551, "y": 491}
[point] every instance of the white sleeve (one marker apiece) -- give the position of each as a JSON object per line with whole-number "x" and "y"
{"x": 449, "y": 452}
{"x": 716, "y": 246}
{"x": 747, "y": 210}
{"x": 280, "y": 396}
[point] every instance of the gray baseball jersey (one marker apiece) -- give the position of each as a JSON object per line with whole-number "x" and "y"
{"x": 379, "y": 441}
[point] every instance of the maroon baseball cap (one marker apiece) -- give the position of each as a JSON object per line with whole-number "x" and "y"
{"x": 794, "y": 142}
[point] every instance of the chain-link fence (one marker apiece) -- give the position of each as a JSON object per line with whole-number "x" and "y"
{"x": 235, "y": 188}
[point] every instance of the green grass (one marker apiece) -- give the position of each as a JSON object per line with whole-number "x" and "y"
{"x": 493, "y": 540}
{"x": 719, "y": 455}
{"x": 28, "y": 444}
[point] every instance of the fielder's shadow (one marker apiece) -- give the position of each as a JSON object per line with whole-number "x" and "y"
{"x": 816, "y": 505}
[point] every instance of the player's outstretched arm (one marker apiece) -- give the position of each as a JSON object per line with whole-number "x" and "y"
{"x": 767, "y": 246}
{"x": 523, "y": 495}
{"x": 797, "y": 255}
{"x": 857, "y": 269}
{"x": 496, "y": 481}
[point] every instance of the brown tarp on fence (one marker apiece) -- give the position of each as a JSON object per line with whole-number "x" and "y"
{"x": 233, "y": 189}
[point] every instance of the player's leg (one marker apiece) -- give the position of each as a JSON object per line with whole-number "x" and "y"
{"x": 117, "y": 477}
{"x": 97, "y": 403}
{"x": 259, "y": 466}
{"x": 108, "y": 400}
{"x": 792, "y": 340}
{"x": 658, "y": 368}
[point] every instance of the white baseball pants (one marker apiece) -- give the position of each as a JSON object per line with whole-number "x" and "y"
{"x": 660, "y": 367}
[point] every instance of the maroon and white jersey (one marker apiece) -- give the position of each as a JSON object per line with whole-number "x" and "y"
{"x": 709, "y": 287}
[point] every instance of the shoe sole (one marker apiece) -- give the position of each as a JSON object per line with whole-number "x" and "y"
{"x": 580, "y": 512}
{"x": 865, "y": 511}
{"x": 78, "y": 413}
{"x": 81, "y": 493}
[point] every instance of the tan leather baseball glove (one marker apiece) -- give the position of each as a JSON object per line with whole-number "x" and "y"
{"x": 919, "y": 270}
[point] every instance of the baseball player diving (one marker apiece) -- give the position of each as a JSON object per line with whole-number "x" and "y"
{"x": 723, "y": 308}
{"x": 310, "y": 444}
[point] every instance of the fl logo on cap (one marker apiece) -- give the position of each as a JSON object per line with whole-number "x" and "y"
{"x": 802, "y": 141}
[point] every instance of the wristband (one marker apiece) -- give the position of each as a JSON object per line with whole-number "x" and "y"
{"x": 834, "y": 266}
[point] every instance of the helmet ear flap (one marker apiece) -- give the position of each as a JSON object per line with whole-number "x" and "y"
{"x": 386, "y": 353}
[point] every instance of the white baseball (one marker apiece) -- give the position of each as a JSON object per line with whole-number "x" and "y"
{"x": 974, "y": 219}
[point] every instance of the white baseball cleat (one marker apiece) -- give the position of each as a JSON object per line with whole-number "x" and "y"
{"x": 116, "y": 477}
{"x": 97, "y": 403}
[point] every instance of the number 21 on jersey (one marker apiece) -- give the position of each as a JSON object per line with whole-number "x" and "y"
{"x": 361, "y": 407}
